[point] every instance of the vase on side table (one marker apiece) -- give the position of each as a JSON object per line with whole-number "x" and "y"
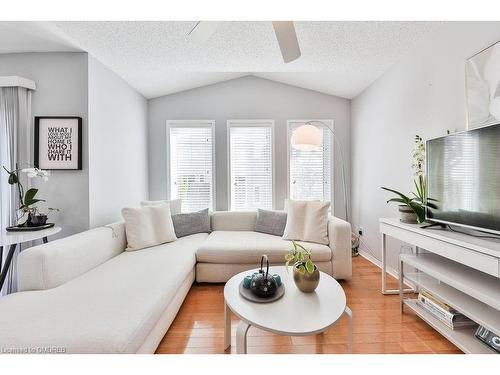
{"x": 306, "y": 282}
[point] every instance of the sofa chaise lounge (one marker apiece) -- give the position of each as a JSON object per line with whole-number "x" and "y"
{"x": 85, "y": 294}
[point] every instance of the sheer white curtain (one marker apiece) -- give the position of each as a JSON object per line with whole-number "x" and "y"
{"x": 15, "y": 117}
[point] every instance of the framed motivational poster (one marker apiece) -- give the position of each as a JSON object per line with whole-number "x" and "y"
{"x": 58, "y": 143}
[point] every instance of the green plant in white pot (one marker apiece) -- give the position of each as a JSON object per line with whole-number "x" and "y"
{"x": 305, "y": 272}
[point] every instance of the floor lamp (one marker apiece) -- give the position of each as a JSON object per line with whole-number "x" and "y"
{"x": 308, "y": 137}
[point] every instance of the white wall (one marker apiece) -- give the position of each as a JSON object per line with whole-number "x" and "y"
{"x": 115, "y": 169}
{"x": 118, "y": 175}
{"x": 244, "y": 98}
{"x": 61, "y": 80}
{"x": 423, "y": 94}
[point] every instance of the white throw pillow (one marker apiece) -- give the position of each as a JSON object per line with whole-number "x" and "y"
{"x": 289, "y": 200}
{"x": 307, "y": 221}
{"x": 148, "y": 226}
{"x": 175, "y": 205}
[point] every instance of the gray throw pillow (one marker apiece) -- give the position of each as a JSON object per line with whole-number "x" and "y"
{"x": 191, "y": 223}
{"x": 270, "y": 222}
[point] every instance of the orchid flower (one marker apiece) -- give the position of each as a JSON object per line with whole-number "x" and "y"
{"x": 418, "y": 156}
{"x": 36, "y": 172}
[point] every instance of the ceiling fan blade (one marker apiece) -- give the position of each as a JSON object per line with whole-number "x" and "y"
{"x": 287, "y": 40}
{"x": 203, "y": 30}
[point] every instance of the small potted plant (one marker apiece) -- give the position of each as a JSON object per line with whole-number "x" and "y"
{"x": 412, "y": 208}
{"x": 28, "y": 214}
{"x": 305, "y": 272}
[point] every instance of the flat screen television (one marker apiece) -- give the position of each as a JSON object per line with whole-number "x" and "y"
{"x": 463, "y": 176}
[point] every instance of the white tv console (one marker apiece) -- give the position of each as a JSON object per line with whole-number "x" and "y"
{"x": 461, "y": 270}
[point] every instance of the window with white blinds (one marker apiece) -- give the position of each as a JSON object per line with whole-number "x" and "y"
{"x": 251, "y": 164}
{"x": 310, "y": 172}
{"x": 191, "y": 171}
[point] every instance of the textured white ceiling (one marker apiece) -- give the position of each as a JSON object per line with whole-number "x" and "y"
{"x": 157, "y": 58}
{"x": 19, "y": 36}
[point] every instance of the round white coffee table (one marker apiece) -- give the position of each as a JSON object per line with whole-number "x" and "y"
{"x": 295, "y": 314}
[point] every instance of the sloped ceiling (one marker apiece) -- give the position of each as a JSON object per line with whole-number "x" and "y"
{"x": 33, "y": 37}
{"x": 157, "y": 58}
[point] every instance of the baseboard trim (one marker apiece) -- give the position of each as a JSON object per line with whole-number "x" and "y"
{"x": 369, "y": 257}
{"x": 391, "y": 271}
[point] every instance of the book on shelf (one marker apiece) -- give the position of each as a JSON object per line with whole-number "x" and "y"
{"x": 438, "y": 302}
{"x": 444, "y": 313}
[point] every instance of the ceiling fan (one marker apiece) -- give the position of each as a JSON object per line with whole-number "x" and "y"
{"x": 284, "y": 31}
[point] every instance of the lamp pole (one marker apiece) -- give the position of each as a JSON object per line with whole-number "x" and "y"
{"x": 342, "y": 161}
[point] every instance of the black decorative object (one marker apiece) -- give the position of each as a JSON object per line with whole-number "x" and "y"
{"x": 247, "y": 280}
{"x": 248, "y": 294}
{"x": 58, "y": 142}
{"x": 36, "y": 220}
{"x": 263, "y": 284}
{"x": 24, "y": 228}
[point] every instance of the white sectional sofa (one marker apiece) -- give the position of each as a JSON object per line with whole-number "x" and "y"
{"x": 85, "y": 294}
{"x": 233, "y": 247}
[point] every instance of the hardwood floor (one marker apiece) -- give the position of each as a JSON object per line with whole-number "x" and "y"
{"x": 378, "y": 325}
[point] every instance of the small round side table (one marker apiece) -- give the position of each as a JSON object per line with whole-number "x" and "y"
{"x": 13, "y": 239}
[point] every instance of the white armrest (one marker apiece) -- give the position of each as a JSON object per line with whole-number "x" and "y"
{"x": 339, "y": 235}
{"x": 57, "y": 262}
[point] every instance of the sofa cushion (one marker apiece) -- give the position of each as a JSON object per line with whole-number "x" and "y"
{"x": 57, "y": 262}
{"x": 249, "y": 246}
{"x": 191, "y": 223}
{"x": 110, "y": 309}
{"x": 148, "y": 226}
{"x": 233, "y": 220}
{"x": 271, "y": 222}
{"x": 221, "y": 273}
{"x": 175, "y": 205}
{"x": 307, "y": 221}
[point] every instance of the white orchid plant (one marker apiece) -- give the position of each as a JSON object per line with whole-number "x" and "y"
{"x": 27, "y": 200}
{"x": 35, "y": 172}
{"x": 419, "y": 200}
{"x": 418, "y": 169}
